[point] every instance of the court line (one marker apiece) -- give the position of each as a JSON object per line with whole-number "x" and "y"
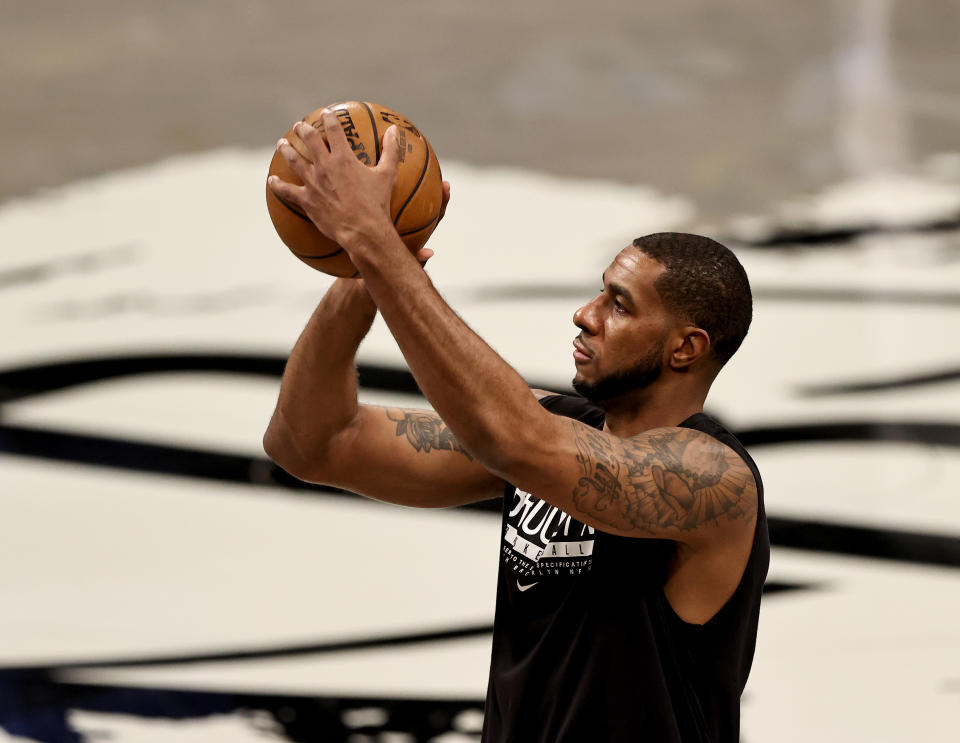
{"x": 283, "y": 651}
{"x": 880, "y": 385}
{"x": 806, "y": 534}
{"x": 815, "y": 294}
{"x": 286, "y": 651}
{"x": 80, "y": 263}
{"x": 36, "y": 379}
{"x": 784, "y": 237}
{"x": 809, "y": 534}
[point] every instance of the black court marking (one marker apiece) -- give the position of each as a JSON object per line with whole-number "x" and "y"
{"x": 856, "y": 295}
{"x": 160, "y": 459}
{"x": 283, "y": 651}
{"x": 17, "y": 384}
{"x": 786, "y": 237}
{"x": 319, "y": 648}
{"x": 906, "y": 432}
{"x": 376, "y": 132}
{"x": 842, "y": 295}
{"x": 101, "y": 451}
{"x": 426, "y": 164}
{"x": 912, "y": 547}
{"x": 95, "y": 260}
{"x": 38, "y": 379}
{"x": 880, "y": 385}
{"x": 41, "y": 709}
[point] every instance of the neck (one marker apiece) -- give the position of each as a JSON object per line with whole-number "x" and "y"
{"x": 637, "y": 412}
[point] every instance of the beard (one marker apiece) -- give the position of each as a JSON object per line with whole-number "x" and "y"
{"x": 637, "y": 377}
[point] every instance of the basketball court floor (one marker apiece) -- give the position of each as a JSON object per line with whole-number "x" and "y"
{"x": 161, "y": 580}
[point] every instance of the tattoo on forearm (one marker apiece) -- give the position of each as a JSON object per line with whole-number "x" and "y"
{"x": 660, "y": 483}
{"x": 425, "y": 431}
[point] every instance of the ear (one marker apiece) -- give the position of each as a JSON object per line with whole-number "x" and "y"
{"x": 692, "y": 345}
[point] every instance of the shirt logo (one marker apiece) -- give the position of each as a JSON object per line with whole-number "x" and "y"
{"x": 540, "y": 540}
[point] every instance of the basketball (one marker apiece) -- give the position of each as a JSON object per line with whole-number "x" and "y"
{"x": 414, "y": 205}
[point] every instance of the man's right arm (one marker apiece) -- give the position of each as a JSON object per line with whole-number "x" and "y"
{"x": 320, "y": 433}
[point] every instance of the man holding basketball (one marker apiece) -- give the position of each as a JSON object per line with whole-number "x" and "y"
{"x": 634, "y": 536}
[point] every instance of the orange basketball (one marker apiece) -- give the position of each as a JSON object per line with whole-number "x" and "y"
{"x": 416, "y": 200}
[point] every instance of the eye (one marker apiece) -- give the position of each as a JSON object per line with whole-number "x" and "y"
{"x": 617, "y": 307}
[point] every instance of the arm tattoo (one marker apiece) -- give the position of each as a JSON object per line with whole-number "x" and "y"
{"x": 661, "y": 482}
{"x": 425, "y": 431}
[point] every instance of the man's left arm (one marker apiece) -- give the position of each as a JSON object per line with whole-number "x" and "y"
{"x": 464, "y": 379}
{"x": 483, "y": 400}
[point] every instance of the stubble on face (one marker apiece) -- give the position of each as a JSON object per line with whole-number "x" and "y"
{"x": 641, "y": 375}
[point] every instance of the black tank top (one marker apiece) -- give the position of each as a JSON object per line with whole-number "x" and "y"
{"x": 586, "y": 647}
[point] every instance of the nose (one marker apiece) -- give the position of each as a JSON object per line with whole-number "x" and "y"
{"x": 585, "y": 318}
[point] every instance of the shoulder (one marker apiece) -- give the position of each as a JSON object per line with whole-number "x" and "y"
{"x": 689, "y": 461}
{"x": 710, "y": 425}
{"x": 684, "y": 443}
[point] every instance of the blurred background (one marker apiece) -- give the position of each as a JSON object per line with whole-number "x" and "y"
{"x": 161, "y": 580}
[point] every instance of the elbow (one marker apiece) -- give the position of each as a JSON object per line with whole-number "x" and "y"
{"x": 273, "y": 446}
{"x": 524, "y": 454}
{"x": 281, "y": 445}
{"x": 277, "y": 448}
{"x": 507, "y": 457}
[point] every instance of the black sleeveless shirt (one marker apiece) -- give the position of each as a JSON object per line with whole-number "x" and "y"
{"x": 586, "y": 647}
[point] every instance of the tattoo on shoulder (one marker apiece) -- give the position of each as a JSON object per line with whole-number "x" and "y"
{"x": 425, "y": 431}
{"x": 661, "y": 481}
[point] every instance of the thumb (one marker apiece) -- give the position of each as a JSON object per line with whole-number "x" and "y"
{"x": 423, "y": 255}
{"x": 390, "y": 158}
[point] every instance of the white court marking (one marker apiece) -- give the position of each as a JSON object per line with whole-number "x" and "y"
{"x": 96, "y": 563}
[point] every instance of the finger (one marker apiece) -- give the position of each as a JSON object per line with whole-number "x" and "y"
{"x": 335, "y": 136}
{"x": 445, "y": 199}
{"x": 390, "y": 159}
{"x": 312, "y": 139}
{"x": 423, "y": 255}
{"x": 294, "y": 160}
{"x": 286, "y": 192}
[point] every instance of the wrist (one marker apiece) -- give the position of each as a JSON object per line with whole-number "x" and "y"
{"x": 373, "y": 244}
{"x": 354, "y": 293}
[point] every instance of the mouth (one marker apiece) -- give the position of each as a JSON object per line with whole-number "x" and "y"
{"x": 581, "y": 354}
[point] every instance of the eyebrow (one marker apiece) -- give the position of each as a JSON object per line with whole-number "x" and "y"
{"x": 618, "y": 290}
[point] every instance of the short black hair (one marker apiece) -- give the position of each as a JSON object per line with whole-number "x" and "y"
{"x": 704, "y": 284}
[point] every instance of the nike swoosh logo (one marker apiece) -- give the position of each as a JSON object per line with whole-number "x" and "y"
{"x": 526, "y": 588}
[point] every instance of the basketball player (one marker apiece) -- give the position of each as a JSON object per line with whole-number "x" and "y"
{"x": 634, "y": 544}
